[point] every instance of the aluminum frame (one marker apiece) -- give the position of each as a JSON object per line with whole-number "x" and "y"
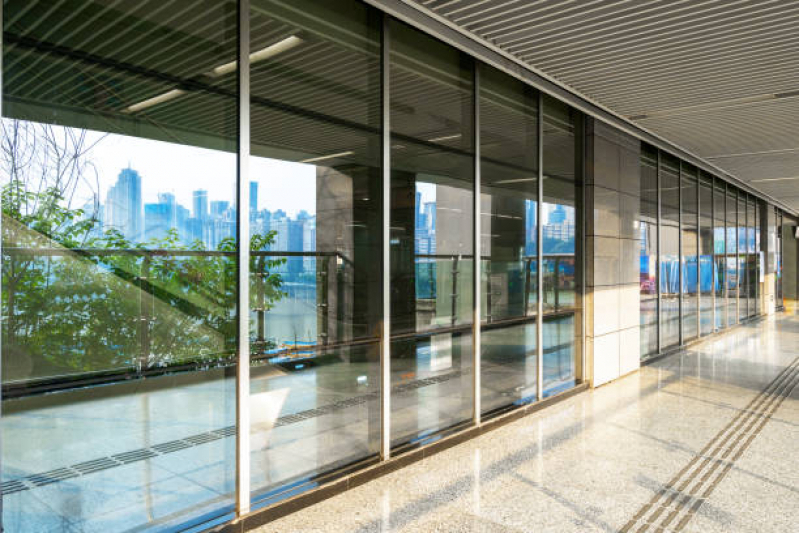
{"x": 243, "y": 267}
{"x": 385, "y": 331}
{"x": 539, "y": 323}
{"x": 659, "y": 249}
{"x": 478, "y": 257}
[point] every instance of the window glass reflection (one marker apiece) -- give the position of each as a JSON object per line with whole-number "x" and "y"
{"x": 731, "y": 258}
{"x": 670, "y": 251}
{"x": 689, "y": 243}
{"x": 432, "y": 188}
{"x": 743, "y": 249}
{"x": 648, "y": 227}
{"x": 509, "y": 199}
{"x": 560, "y": 269}
{"x": 720, "y": 250}
{"x": 119, "y": 260}
{"x": 315, "y": 224}
{"x": 706, "y": 246}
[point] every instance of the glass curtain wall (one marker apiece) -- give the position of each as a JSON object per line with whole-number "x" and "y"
{"x": 669, "y": 250}
{"x": 688, "y": 256}
{"x": 315, "y": 216}
{"x": 778, "y": 262}
{"x": 720, "y": 252}
{"x": 119, "y": 257}
{"x": 760, "y": 266}
{"x": 509, "y": 239}
{"x": 706, "y": 245}
{"x": 562, "y": 277}
{"x": 752, "y": 258}
{"x": 731, "y": 258}
{"x": 122, "y": 170}
{"x": 432, "y": 188}
{"x": 743, "y": 254}
{"x": 648, "y": 226}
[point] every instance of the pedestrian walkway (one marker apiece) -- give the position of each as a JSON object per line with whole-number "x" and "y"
{"x": 705, "y": 440}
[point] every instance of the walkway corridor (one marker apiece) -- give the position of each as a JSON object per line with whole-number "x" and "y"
{"x": 703, "y": 441}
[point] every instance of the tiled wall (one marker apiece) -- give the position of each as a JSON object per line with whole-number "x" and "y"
{"x": 613, "y": 172}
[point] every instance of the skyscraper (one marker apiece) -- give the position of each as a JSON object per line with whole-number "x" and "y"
{"x": 253, "y": 198}
{"x": 200, "y": 204}
{"x": 124, "y": 205}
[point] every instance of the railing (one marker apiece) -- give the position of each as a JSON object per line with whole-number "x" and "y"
{"x": 145, "y": 286}
{"x": 203, "y": 299}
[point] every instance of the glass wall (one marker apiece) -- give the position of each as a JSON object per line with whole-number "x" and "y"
{"x": 119, "y": 257}
{"x": 688, "y": 256}
{"x": 669, "y": 251}
{"x": 752, "y": 258}
{"x": 720, "y": 251}
{"x": 315, "y": 217}
{"x": 743, "y": 257}
{"x": 648, "y": 226}
{"x": 778, "y": 262}
{"x": 509, "y": 239}
{"x": 706, "y": 245}
{"x": 560, "y": 217}
{"x": 713, "y": 282}
{"x": 432, "y": 188}
{"x": 731, "y": 263}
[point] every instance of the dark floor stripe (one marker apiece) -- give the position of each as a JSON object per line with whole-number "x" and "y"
{"x": 672, "y": 500}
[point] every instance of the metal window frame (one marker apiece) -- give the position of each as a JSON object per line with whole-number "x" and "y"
{"x": 539, "y": 323}
{"x": 659, "y": 194}
{"x": 680, "y": 252}
{"x": 385, "y": 330}
{"x": 242, "y": 504}
{"x": 713, "y": 278}
{"x": 698, "y": 253}
{"x": 478, "y": 256}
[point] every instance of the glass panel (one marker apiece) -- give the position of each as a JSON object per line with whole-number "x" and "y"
{"x": 752, "y": 258}
{"x": 115, "y": 137}
{"x": 778, "y": 262}
{"x": 509, "y": 235}
{"x": 560, "y": 269}
{"x": 649, "y": 234}
{"x": 315, "y": 217}
{"x": 719, "y": 249}
{"x": 706, "y": 244}
{"x": 731, "y": 261}
{"x": 432, "y": 188}
{"x": 759, "y": 261}
{"x": 670, "y": 251}
{"x": 743, "y": 247}
{"x": 689, "y": 264}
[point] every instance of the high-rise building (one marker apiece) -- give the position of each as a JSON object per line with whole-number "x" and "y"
{"x": 253, "y": 198}
{"x": 124, "y": 205}
{"x": 200, "y": 204}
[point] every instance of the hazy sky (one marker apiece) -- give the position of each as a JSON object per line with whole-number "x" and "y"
{"x": 181, "y": 169}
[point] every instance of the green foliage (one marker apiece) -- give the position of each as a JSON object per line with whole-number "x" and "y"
{"x": 77, "y": 301}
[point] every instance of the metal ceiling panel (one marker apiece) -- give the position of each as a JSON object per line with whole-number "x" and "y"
{"x": 719, "y": 79}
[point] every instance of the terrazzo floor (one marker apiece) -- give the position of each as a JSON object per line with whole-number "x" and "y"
{"x": 705, "y": 440}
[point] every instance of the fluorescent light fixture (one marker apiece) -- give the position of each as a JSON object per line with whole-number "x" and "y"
{"x": 265, "y": 53}
{"x": 155, "y": 100}
{"x": 518, "y": 180}
{"x": 444, "y": 138}
{"x": 325, "y": 157}
{"x": 761, "y": 180}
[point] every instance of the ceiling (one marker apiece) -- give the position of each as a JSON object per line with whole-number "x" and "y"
{"x": 717, "y": 78}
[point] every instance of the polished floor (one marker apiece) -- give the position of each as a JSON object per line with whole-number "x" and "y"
{"x": 705, "y": 440}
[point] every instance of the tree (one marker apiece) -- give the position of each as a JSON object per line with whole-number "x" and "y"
{"x": 77, "y": 299}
